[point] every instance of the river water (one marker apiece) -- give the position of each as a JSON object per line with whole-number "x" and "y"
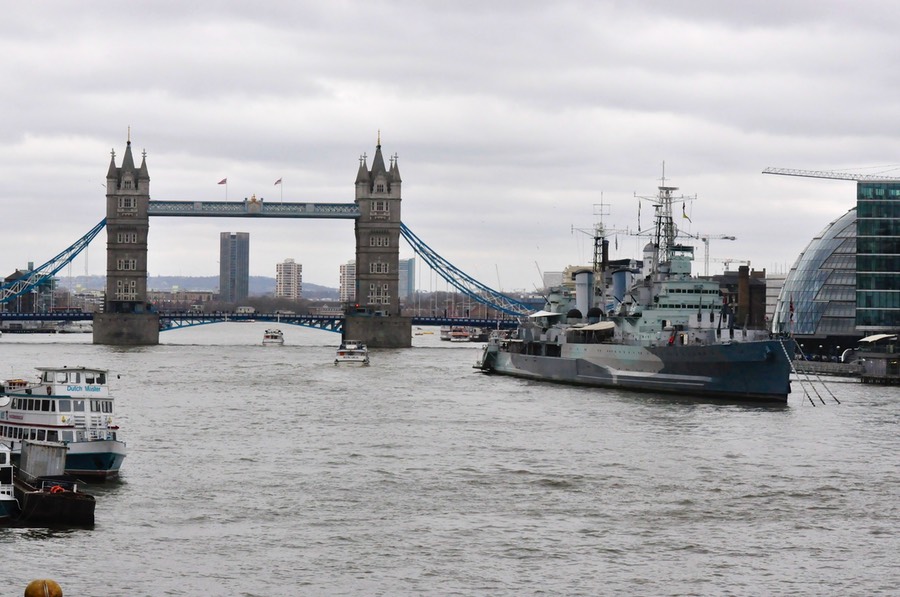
{"x": 260, "y": 471}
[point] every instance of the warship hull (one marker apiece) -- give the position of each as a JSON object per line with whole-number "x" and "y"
{"x": 742, "y": 371}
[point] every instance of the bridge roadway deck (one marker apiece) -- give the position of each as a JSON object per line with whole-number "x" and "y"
{"x": 250, "y": 208}
{"x": 170, "y": 320}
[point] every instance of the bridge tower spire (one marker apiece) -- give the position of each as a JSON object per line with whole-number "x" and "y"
{"x": 378, "y": 256}
{"x": 127, "y": 319}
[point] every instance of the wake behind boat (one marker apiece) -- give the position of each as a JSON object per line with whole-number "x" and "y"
{"x": 71, "y": 405}
{"x": 352, "y": 352}
{"x": 664, "y": 332}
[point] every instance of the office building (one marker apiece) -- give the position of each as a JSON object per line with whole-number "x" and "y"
{"x": 348, "y": 282}
{"x": 234, "y": 266}
{"x": 406, "y": 285}
{"x": 288, "y": 279}
{"x": 878, "y": 256}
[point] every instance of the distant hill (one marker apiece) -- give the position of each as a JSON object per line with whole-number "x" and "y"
{"x": 259, "y": 285}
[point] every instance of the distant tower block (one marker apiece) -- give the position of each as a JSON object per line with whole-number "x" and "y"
{"x": 126, "y": 320}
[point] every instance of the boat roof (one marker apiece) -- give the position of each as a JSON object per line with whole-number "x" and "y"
{"x": 94, "y": 369}
{"x": 544, "y": 314}
{"x": 594, "y": 327}
{"x": 878, "y": 337}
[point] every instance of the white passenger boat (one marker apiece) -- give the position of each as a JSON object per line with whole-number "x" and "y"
{"x": 71, "y": 405}
{"x": 273, "y": 338}
{"x": 352, "y": 352}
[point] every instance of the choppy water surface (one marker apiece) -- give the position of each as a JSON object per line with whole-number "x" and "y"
{"x": 268, "y": 471}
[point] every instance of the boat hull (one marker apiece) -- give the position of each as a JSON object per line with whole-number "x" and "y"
{"x": 746, "y": 371}
{"x": 98, "y": 460}
{"x": 9, "y": 509}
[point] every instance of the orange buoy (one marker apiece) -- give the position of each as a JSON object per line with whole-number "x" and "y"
{"x": 43, "y": 588}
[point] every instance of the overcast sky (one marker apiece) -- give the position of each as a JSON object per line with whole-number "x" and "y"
{"x": 512, "y": 121}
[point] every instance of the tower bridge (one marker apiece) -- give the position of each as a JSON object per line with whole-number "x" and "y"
{"x": 128, "y": 319}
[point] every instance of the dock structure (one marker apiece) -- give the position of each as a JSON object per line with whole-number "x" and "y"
{"x": 878, "y": 359}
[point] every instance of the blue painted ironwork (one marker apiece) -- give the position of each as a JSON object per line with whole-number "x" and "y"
{"x": 170, "y": 320}
{"x": 462, "y": 281}
{"x": 253, "y": 208}
{"x": 40, "y": 275}
{"x": 173, "y": 320}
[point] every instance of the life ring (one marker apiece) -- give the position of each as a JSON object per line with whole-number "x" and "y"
{"x": 56, "y": 489}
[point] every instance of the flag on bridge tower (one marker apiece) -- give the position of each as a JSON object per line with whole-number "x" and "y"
{"x": 223, "y": 181}
{"x": 278, "y": 182}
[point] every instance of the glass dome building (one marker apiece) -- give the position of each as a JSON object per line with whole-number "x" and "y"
{"x": 817, "y": 304}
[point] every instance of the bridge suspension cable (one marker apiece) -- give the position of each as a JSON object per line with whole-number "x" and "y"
{"x": 39, "y": 275}
{"x": 466, "y": 284}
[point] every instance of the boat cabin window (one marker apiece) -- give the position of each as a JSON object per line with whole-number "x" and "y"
{"x": 60, "y": 377}
{"x": 3, "y": 458}
{"x": 79, "y": 406}
{"x": 41, "y": 434}
{"x": 52, "y": 435}
{"x": 68, "y": 436}
{"x": 95, "y": 406}
{"x": 74, "y": 377}
{"x": 65, "y": 406}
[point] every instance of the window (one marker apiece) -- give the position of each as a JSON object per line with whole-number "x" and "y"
{"x": 79, "y": 406}
{"x": 127, "y": 206}
{"x": 126, "y": 264}
{"x": 126, "y": 290}
{"x": 379, "y": 240}
{"x": 65, "y": 406}
{"x": 379, "y": 295}
{"x": 379, "y": 209}
{"x": 126, "y": 237}
{"x": 378, "y": 268}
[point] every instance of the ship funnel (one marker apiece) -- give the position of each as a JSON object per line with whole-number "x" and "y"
{"x": 584, "y": 290}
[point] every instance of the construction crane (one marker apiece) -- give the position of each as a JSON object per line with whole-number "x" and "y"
{"x": 830, "y": 174}
{"x": 729, "y": 261}
{"x": 705, "y": 238}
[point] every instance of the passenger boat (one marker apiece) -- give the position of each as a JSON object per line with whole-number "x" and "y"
{"x": 273, "y": 338}
{"x": 71, "y": 405}
{"x": 459, "y": 334}
{"x": 665, "y": 332}
{"x": 445, "y": 332}
{"x": 9, "y": 507}
{"x": 351, "y": 352}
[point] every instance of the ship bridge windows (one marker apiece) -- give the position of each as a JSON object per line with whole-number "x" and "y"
{"x": 65, "y": 406}
{"x": 34, "y": 404}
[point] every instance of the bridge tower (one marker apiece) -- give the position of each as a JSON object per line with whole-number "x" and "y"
{"x": 375, "y": 316}
{"x": 126, "y": 319}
